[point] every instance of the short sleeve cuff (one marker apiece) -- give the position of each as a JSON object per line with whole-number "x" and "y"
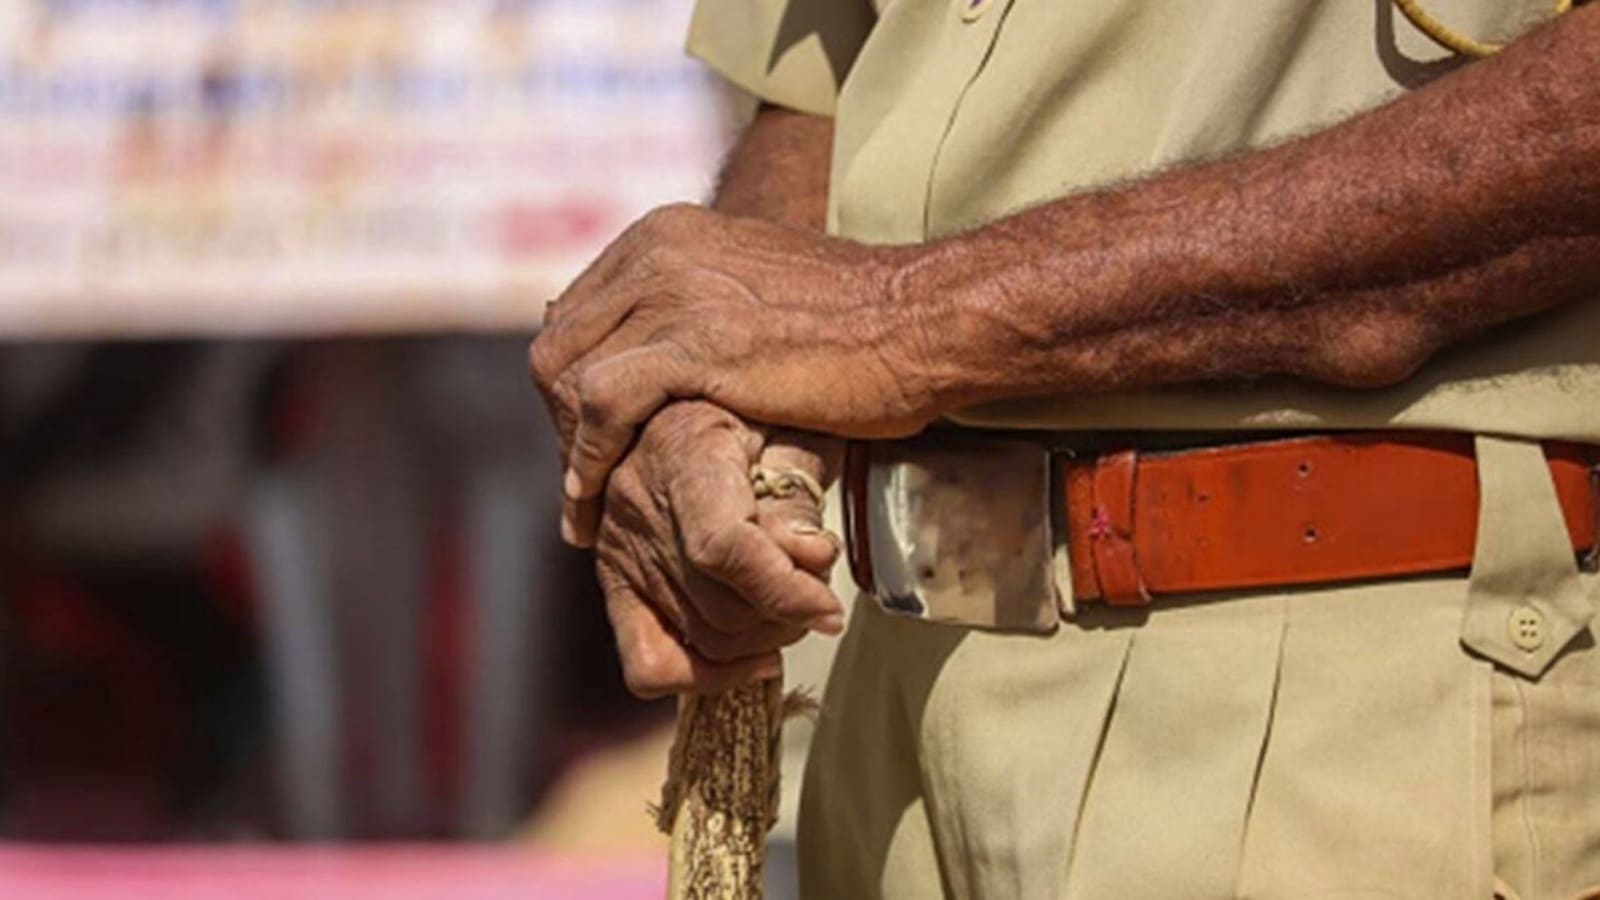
{"x": 793, "y": 53}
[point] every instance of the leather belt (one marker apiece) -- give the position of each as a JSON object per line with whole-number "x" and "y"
{"x": 1302, "y": 511}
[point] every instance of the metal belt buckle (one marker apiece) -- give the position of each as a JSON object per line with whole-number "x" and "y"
{"x": 959, "y": 531}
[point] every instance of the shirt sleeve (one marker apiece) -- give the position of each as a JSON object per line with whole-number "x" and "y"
{"x": 793, "y": 53}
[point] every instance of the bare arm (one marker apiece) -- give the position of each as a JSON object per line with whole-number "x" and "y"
{"x": 778, "y": 171}
{"x": 1349, "y": 256}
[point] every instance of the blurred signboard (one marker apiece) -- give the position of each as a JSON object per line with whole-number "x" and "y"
{"x": 311, "y": 166}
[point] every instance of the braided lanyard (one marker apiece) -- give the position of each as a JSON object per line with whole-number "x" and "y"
{"x": 1448, "y": 37}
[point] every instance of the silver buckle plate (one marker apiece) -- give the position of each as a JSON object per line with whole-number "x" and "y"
{"x": 960, "y": 532}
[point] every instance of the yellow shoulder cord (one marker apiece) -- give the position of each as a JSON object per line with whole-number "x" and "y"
{"x": 1448, "y": 37}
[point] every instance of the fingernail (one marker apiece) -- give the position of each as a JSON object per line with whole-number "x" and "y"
{"x": 806, "y": 529}
{"x": 831, "y": 624}
{"x": 571, "y": 485}
{"x": 568, "y": 533}
{"x": 770, "y": 670}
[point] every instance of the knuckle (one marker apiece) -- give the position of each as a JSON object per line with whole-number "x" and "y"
{"x": 710, "y": 550}
{"x": 666, "y": 224}
{"x": 541, "y": 362}
{"x": 623, "y": 489}
{"x": 656, "y": 259}
{"x": 669, "y": 214}
{"x": 595, "y": 401}
{"x": 654, "y": 222}
{"x": 565, "y": 394}
{"x": 588, "y": 457}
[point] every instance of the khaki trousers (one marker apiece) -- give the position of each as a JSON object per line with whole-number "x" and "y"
{"x": 1337, "y": 742}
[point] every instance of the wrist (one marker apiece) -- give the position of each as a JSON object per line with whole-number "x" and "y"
{"x": 974, "y": 323}
{"x": 1015, "y": 309}
{"x": 679, "y": 426}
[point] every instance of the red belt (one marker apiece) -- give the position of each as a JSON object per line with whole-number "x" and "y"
{"x": 1304, "y": 511}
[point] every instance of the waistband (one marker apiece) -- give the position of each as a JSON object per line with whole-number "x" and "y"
{"x": 1135, "y": 524}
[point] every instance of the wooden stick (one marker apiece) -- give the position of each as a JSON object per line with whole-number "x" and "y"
{"x": 721, "y": 794}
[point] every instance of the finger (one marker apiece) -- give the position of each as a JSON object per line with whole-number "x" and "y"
{"x": 719, "y": 646}
{"x": 580, "y": 521}
{"x": 647, "y": 579}
{"x": 553, "y": 349}
{"x": 799, "y": 534}
{"x": 744, "y": 557}
{"x": 715, "y": 509}
{"x": 588, "y": 323}
{"x": 795, "y": 522}
{"x": 614, "y": 398}
{"x": 561, "y": 397}
{"x": 689, "y": 601}
{"x": 810, "y": 453}
{"x": 642, "y": 247}
{"x": 654, "y": 664}
{"x": 560, "y": 390}
{"x": 672, "y": 580}
{"x": 795, "y": 525}
{"x": 598, "y": 272}
{"x": 715, "y": 602}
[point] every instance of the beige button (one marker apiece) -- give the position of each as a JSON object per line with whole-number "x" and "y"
{"x": 973, "y": 10}
{"x": 1526, "y": 626}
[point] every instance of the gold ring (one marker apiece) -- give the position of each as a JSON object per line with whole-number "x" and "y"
{"x": 784, "y": 483}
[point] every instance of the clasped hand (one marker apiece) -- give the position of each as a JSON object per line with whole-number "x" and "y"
{"x": 703, "y": 582}
{"x": 775, "y": 324}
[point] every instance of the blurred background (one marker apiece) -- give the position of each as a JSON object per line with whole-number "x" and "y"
{"x": 282, "y": 606}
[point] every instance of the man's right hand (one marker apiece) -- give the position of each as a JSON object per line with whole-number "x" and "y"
{"x": 704, "y": 584}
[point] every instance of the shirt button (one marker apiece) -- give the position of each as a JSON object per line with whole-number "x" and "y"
{"x": 973, "y": 10}
{"x": 1526, "y": 626}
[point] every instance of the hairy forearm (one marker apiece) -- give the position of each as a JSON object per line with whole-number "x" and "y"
{"x": 1349, "y": 256}
{"x": 778, "y": 170}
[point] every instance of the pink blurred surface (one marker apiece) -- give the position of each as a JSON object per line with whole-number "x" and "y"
{"x": 410, "y": 872}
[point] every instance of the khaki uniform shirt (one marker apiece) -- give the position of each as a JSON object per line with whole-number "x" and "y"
{"x": 1320, "y": 741}
{"x": 949, "y": 116}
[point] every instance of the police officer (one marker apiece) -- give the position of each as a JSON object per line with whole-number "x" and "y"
{"x": 1252, "y": 353}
